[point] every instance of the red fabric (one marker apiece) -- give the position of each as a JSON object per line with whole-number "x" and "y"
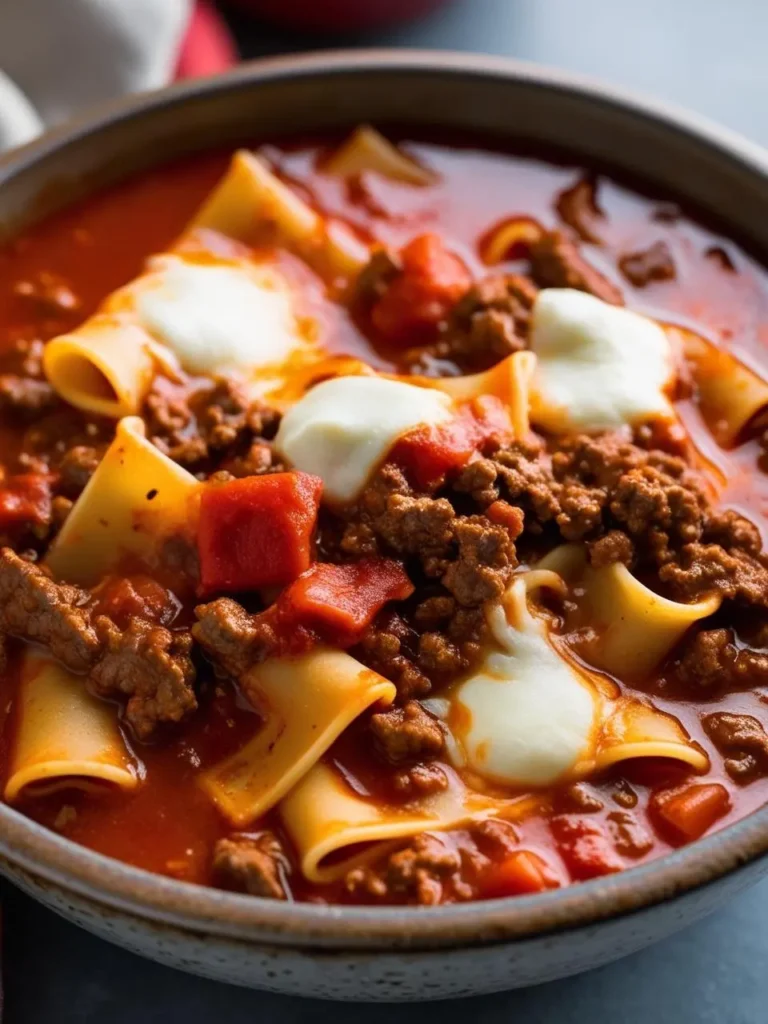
{"x": 208, "y": 46}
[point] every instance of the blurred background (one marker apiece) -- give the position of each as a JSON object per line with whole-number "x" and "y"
{"x": 59, "y": 56}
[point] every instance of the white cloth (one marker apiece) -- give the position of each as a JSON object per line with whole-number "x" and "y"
{"x": 58, "y": 56}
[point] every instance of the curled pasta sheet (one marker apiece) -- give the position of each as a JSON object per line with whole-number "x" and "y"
{"x": 105, "y": 366}
{"x": 368, "y": 150}
{"x": 134, "y": 501}
{"x": 509, "y": 381}
{"x": 66, "y": 738}
{"x": 729, "y": 393}
{"x": 328, "y": 821}
{"x": 636, "y": 627}
{"x": 250, "y": 200}
{"x": 305, "y": 703}
{"x": 530, "y": 715}
{"x": 509, "y": 239}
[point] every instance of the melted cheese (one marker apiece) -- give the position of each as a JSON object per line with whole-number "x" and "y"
{"x": 217, "y": 317}
{"x": 526, "y": 717}
{"x": 599, "y": 366}
{"x": 343, "y": 428}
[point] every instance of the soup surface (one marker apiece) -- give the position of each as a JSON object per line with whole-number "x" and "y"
{"x": 382, "y": 522}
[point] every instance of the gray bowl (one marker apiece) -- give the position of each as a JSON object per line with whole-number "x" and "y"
{"x": 374, "y": 953}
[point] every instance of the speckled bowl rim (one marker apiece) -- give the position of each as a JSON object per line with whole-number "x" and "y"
{"x": 50, "y": 860}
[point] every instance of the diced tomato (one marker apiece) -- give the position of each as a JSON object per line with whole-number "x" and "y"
{"x": 519, "y": 873}
{"x": 428, "y": 453}
{"x": 124, "y": 597}
{"x": 690, "y": 812}
{"x": 584, "y": 846}
{"x": 339, "y": 602}
{"x": 431, "y": 282}
{"x": 25, "y": 498}
{"x": 257, "y": 531}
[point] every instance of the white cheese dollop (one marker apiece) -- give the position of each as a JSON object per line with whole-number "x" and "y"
{"x": 599, "y": 366}
{"x": 344, "y": 427}
{"x": 217, "y": 317}
{"x": 526, "y": 718}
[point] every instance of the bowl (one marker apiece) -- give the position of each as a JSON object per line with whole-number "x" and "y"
{"x": 361, "y": 952}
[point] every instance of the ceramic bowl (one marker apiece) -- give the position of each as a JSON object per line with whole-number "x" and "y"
{"x": 373, "y": 953}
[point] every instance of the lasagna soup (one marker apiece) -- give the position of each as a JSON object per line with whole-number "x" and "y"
{"x": 382, "y": 522}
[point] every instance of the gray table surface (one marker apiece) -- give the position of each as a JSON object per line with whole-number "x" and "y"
{"x": 711, "y": 56}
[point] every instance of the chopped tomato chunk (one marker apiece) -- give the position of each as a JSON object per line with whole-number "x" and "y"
{"x": 431, "y": 282}
{"x": 257, "y": 531}
{"x": 125, "y": 597}
{"x": 519, "y": 873}
{"x": 25, "y": 498}
{"x": 428, "y": 453}
{"x": 584, "y": 846}
{"x": 339, "y": 602}
{"x": 690, "y": 812}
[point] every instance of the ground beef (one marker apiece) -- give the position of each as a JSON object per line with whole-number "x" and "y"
{"x": 743, "y": 740}
{"x": 24, "y": 391}
{"x": 36, "y": 609}
{"x": 25, "y": 397}
{"x": 419, "y": 780}
{"x": 629, "y": 836}
{"x": 484, "y": 563}
{"x": 213, "y": 429}
{"x": 419, "y": 872}
{"x": 408, "y": 733}
{"x": 374, "y": 279}
{"x": 557, "y": 263}
{"x": 472, "y": 557}
{"x": 233, "y": 638}
{"x": 489, "y": 323}
{"x": 251, "y": 864}
{"x": 577, "y": 207}
{"x": 383, "y": 648}
{"x": 711, "y": 661}
{"x": 704, "y": 568}
{"x": 76, "y": 468}
{"x": 151, "y": 667}
{"x": 439, "y": 656}
{"x": 652, "y": 264}
{"x": 145, "y": 662}
{"x": 612, "y": 547}
{"x": 578, "y": 798}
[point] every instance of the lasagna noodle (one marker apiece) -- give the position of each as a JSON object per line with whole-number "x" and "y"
{"x": 136, "y": 498}
{"x": 636, "y": 627}
{"x": 729, "y": 393}
{"x": 66, "y": 737}
{"x": 251, "y": 203}
{"x": 636, "y": 729}
{"x": 104, "y": 367}
{"x": 306, "y": 703}
{"x": 509, "y": 381}
{"x": 508, "y": 238}
{"x": 368, "y": 150}
{"x": 530, "y": 715}
{"x": 328, "y": 821}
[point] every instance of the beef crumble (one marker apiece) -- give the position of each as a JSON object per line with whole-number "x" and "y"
{"x": 652, "y": 264}
{"x": 557, "y": 263}
{"x": 743, "y": 740}
{"x": 145, "y": 663}
{"x": 251, "y": 864}
{"x": 214, "y": 428}
{"x": 408, "y": 733}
